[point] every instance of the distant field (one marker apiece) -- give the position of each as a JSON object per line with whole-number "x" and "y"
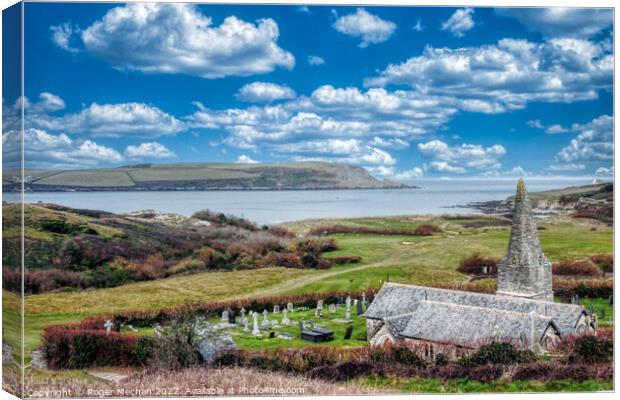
{"x": 406, "y": 259}
{"x": 175, "y": 174}
{"x": 88, "y": 178}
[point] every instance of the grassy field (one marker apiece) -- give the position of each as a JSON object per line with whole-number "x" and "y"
{"x": 424, "y": 385}
{"x": 406, "y": 259}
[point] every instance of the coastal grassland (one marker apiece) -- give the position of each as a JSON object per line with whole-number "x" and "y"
{"x": 99, "y": 178}
{"x": 406, "y": 259}
{"x": 426, "y": 385}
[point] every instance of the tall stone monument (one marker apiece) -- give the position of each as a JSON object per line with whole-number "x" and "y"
{"x": 524, "y": 271}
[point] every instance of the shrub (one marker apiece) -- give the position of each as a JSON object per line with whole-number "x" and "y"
{"x": 342, "y": 260}
{"x": 426, "y": 230}
{"x": 474, "y": 264}
{"x": 576, "y": 267}
{"x": 143, "y": 349}
{"x": 286, "y": 260}
{"x": 591, "y": 349}
{"x": 82, "y": 348}
{"x": 486, "y": 373}
{"x": 342, "y": 371}
{"x": 404, "y": 355}
{"x": 604, "y": 261}
{"x": 497, "y": 353}
{"x": 174, "y": 346}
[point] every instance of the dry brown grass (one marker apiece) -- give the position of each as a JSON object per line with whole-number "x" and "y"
{"x": 199, "y": 382}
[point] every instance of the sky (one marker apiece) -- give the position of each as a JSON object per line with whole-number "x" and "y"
{"x": 405, "y": 92}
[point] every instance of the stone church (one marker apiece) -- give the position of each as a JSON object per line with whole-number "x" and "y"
{"x": 521, "y": 311}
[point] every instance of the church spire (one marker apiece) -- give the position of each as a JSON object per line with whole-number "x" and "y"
{"x": 524, "y": 271}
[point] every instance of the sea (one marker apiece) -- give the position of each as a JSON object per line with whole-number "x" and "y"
{"x": 435, "y": 196}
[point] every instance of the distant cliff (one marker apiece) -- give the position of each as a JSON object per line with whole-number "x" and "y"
{"x": 594, "y": 201}
{"x": 202, "y": 176}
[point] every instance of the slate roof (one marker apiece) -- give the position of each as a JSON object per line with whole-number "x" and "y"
{"x": 464, "y": 325}
{"x": 458, "y": 316}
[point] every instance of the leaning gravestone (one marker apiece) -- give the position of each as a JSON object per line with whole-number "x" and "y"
{"x": 348, "y": 332}
{"x": 318, "y": 313}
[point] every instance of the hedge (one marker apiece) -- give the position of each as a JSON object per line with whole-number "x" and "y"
{"x": 83, "y": 348}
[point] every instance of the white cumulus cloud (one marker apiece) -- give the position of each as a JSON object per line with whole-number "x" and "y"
{"x": 508, "y": 75}
{"x": 258, "y": 92}
{"x": 461, "y": 158}
{"x": 45, "y": 151}
{"x": 460, "y": 22}
{"x": 243, "y": 159}
{"x": 148, "y": 150}
{"x": 112, "y": 120}
{"x": 369, "y": 27}
{"x": 560, "y": 21}
{"x": 179, "y": 38}
{"x": 593, "y": 143}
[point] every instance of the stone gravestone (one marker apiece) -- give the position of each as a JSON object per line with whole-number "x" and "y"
{"x": 347, "y": 314}
{"x": 348, "y": 332}
{"x": 319, "y": 304}
{"x": 245, "y": 324}
{"x": 232, "y": 318}
{"x": 255, "y": 330}
{"x": 285, "y": 320}
{"x": 108, "y": 326}
{"x": 360, "y": 310}
{"x": 289, "y": 307}
{"x": 272, "y": 334}
{"x": 332, "y": 308}
{"x": 242, "y": 311}
{"x": 301, "y": 326}
{"x": 276, "y": 309}
{"x": 318, "y": 313}
{"x": 611, "y": 300}
{"x": 602, "y": 313}
{"x": 225, "y": 315}
{"x": 265, "y": 322}
{"x": 363, "y": 298}
{"x": 348, "y": 302}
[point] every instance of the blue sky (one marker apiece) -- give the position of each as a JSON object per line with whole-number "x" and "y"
{"x": 406, "y": 92}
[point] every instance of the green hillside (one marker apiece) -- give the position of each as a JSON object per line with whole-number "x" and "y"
{"x": 202, "y": 176}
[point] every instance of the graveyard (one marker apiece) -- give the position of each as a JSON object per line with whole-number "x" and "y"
{"x": 289, "y": 335}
